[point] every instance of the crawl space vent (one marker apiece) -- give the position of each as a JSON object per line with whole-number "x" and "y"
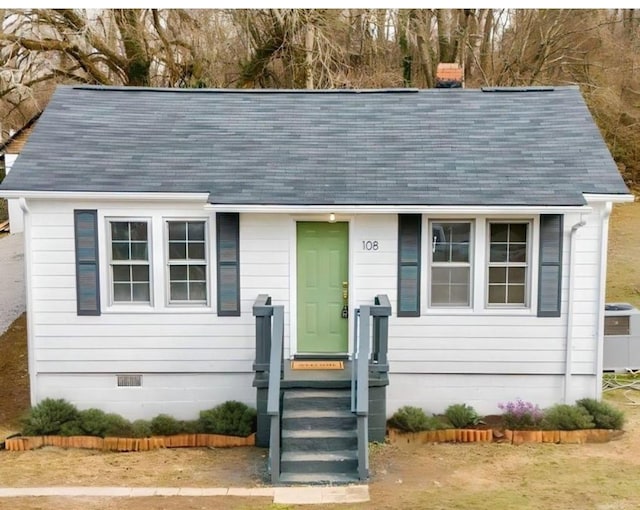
{"x": 129, "y": 380}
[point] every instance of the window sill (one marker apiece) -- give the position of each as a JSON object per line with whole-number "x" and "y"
{"x": 482, "y": 312}
{"x": 153, "y": 310}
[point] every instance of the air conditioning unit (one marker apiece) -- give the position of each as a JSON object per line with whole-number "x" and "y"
{"x": 621, "y": 338}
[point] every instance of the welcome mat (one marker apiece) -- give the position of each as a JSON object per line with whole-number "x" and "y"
{"x": 320, "y": 364}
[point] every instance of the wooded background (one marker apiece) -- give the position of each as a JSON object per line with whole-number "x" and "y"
{"x": 599, "y": 50}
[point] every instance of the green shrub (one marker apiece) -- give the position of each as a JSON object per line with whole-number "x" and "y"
{"x": 190, "y": 427}
{"x": 94, "y": 422}
{"x": 567, "y": 417}
{"x": 414, "y": 419}
{"x": 141, "y": 428}
{"x": 232, "y": 418}
{"x": 48, "y": 417}
{"x": 521, "y": 415}
{"x": 604, "y": 415}
{"x": 165, "y": 425}
{"x": 461, "y": 416}
{"x": 72, "y": 428}
{"x": 117, "y": 426}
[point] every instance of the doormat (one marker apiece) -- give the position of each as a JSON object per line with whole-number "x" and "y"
{"x": 321, "y": 364}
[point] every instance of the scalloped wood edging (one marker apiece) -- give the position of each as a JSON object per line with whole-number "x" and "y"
{"x": 125, "y": 444}
{"x": 515, "y": 437}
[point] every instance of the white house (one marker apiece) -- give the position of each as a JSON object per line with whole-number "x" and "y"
{"x": 481, "y": 214}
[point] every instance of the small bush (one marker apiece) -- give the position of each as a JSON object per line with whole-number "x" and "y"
{"x": 414, "y": 419}
{"x": 48, "y": 417}
{"x": 165, "y": 425}
{"x": 72, "y": 428}
{"x": 604, "y": 415}
{"x": 231, "y": 418}
{"x": 190, "y": 427}
{"x": 141, "y": 428}
{"x": 94, "y": 422}
{"x": 567, "y": 417}
{"x": 117, "y": 426}
{"x": 520, "y": 415}
{"x": 461, "y": 416}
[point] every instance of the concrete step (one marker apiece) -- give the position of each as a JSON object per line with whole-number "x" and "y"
{"x": 319, "y": 440}
{"x": 342, "y": 461}
{"x": 317, "y": 399}
{"x": 319, "y": 478}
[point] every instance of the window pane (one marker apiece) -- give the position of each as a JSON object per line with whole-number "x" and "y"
{"x": 460, "y": 295}
{"x": 516, "y": 294}
{"x": 138, "y": 251}
{"x": 196, "y": 231}
{"x": 459, "y": 232}
{"x": 517, "y": 275}
{"x": 459, "y": 253}
{"x": 179, "y": 291}
{"x": 120, "y": 230}
{"x": 177, "y": 251}
{"x": 177, "y": 273}
{"x": 121, "y": 273}
{"x": 138, "y": 230}
{"x": 499, "y": 232}
{"x": 120, "y": 251}
{"x": 141, "y": 292}
{"x": 197, "y": 273}
{"x": 198, "y": 291}
{"x": 498, "y": 252}
{"x": 439, "y": 294}
{"x": 140, "y": 273}
{"x": 459, "y": 275}
{"x": 518, "y": 233}
{"x": 196, "y": 251}
{"x": 177, "y": 231}
{"x": 517, "y": 252}
{"x": 441, "y": 253}
{"x": 121, "y": 292}
{"x": 497, "y": 294}
{"x": 497, "y": 274}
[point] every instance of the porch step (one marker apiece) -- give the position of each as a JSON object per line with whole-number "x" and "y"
{"x": 343, "y": 461}
{"x": 319, "y": 478}
{"x": 319, "y": 437}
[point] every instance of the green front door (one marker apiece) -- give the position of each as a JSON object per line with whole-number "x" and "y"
{"x": 322, "y": 261}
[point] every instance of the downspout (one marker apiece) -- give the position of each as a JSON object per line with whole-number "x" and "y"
{"x": 569, "y": 334}
{"x": 29, "y": 299}
{"x": 602, "y": 282}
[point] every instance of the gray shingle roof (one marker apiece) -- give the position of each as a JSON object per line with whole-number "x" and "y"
{"x": 427, "y": 147}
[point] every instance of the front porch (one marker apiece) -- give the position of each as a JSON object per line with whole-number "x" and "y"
{"x": 317, "y": 421}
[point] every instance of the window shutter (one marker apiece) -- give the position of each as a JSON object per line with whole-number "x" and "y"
{"x": 550, "y": 270}
{"x": 87, "y": 277}
{"x": 228, "y": 260}
{"x": 409, "y": 232}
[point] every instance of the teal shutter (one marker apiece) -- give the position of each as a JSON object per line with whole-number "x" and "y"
{"x": 228, "y": 260}
{"x": 87, "y": 277}
{"x": 409, "y": 236}
{"x": 550, "y": 265}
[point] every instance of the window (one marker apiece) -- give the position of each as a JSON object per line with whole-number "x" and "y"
{"x": 187, "y": 261}
{"x": 450, "y": 283}
{"x": 508, "y": 263}
{"x": 129, "y": 263}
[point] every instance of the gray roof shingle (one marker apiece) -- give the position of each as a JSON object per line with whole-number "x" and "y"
{"x": 402, "y": 147}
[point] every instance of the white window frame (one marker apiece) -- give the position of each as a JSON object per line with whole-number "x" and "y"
{"x": 431, "y": 264}
{"x": 112, "y": 263}
{"x": 528, "y": 265}
{"x": 168, "y": 263}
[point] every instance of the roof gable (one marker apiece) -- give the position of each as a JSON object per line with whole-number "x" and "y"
{"x": 400, "y": 147}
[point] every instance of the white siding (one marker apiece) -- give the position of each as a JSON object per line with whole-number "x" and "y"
{"x": 192, "y": 344}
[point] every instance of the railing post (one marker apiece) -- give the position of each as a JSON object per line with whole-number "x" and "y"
{"x": 362, "y": 393}
{"x": 262, "y": 310}
{"x": 273, "y": 400}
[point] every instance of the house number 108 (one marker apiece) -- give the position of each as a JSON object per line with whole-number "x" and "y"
{"x": 370, "y": 245}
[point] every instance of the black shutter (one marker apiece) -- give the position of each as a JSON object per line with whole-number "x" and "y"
{"x": 228, "y": 260}
{"x": 409, "y": 235}
{"x": 550, "y": 268}
{"x": 87, "y": 277}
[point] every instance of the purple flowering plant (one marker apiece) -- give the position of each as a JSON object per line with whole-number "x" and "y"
{"x": 520, "y": 415}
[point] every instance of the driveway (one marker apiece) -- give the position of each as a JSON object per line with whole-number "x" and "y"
{"x": 12, "y": 297}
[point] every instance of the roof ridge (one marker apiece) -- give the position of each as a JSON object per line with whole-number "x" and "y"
{"x": 250, "y": 91}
